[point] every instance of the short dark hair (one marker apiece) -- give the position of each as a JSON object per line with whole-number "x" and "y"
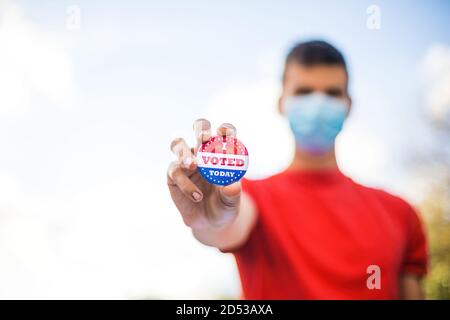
{"x": 315, "y": 52}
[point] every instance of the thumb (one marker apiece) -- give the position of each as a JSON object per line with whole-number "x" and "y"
{"x": 231, "y": 194}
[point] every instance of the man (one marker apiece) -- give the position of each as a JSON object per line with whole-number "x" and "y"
{"x": 309, "y": 232}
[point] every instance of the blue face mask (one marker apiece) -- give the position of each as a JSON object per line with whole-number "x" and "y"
{"x": 315, "y": 120}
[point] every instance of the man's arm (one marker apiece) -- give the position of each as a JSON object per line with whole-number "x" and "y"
{"x": 411, "y": 287}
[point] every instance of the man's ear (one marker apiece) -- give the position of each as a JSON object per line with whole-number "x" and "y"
{"x": 280, "y": 105}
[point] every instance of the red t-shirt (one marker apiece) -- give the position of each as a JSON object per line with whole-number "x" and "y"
{"x": 318, "y": 232}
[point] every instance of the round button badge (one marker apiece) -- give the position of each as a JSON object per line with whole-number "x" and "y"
{"x": 222, "y": 160}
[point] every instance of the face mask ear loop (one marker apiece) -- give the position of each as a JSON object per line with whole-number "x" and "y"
{"x": 284, "y": 104}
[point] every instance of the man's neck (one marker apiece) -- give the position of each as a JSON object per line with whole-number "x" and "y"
{"x": 304, "y": 161}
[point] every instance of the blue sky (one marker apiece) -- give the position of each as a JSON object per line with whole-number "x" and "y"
{"x": 86, "y": 154}
{"x": 137, "y": 64}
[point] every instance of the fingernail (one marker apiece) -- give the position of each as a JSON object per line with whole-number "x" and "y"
{"x": 197, "y": 196}
{"x": 204, "y": 134}
{"x": 226, "y": 129}
{"x": 192, "y": 165}
{"x": 188, "y": 161}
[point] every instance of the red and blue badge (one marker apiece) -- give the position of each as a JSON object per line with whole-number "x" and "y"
{"x": 222, "y": 160}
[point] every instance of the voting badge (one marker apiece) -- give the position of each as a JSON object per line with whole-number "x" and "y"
{"x": 222, "y": 160}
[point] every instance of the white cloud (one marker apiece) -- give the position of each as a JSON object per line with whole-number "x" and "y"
{"x": 34, "y": 66}
{"x": 120, "y": 239}
{"x": 269, "y": 63}
{"x": 361, "y": 155}
{"x": 10, "y": 189}
{"x": 436, "y": 69}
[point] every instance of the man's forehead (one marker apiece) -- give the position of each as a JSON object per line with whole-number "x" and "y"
{"x": 322, "y": 74}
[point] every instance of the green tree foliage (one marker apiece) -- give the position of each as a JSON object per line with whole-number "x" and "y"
{"x": 435, "y": 210}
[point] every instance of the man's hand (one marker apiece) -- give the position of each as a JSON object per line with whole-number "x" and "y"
{"x": 411, "y": 288}
{"x": 211, "y": 211}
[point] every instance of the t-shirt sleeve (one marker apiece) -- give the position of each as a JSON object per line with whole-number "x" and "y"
{"x": 416, "y": 255}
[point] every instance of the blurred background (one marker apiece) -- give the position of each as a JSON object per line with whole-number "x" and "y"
{"x": 92, "y": 93}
